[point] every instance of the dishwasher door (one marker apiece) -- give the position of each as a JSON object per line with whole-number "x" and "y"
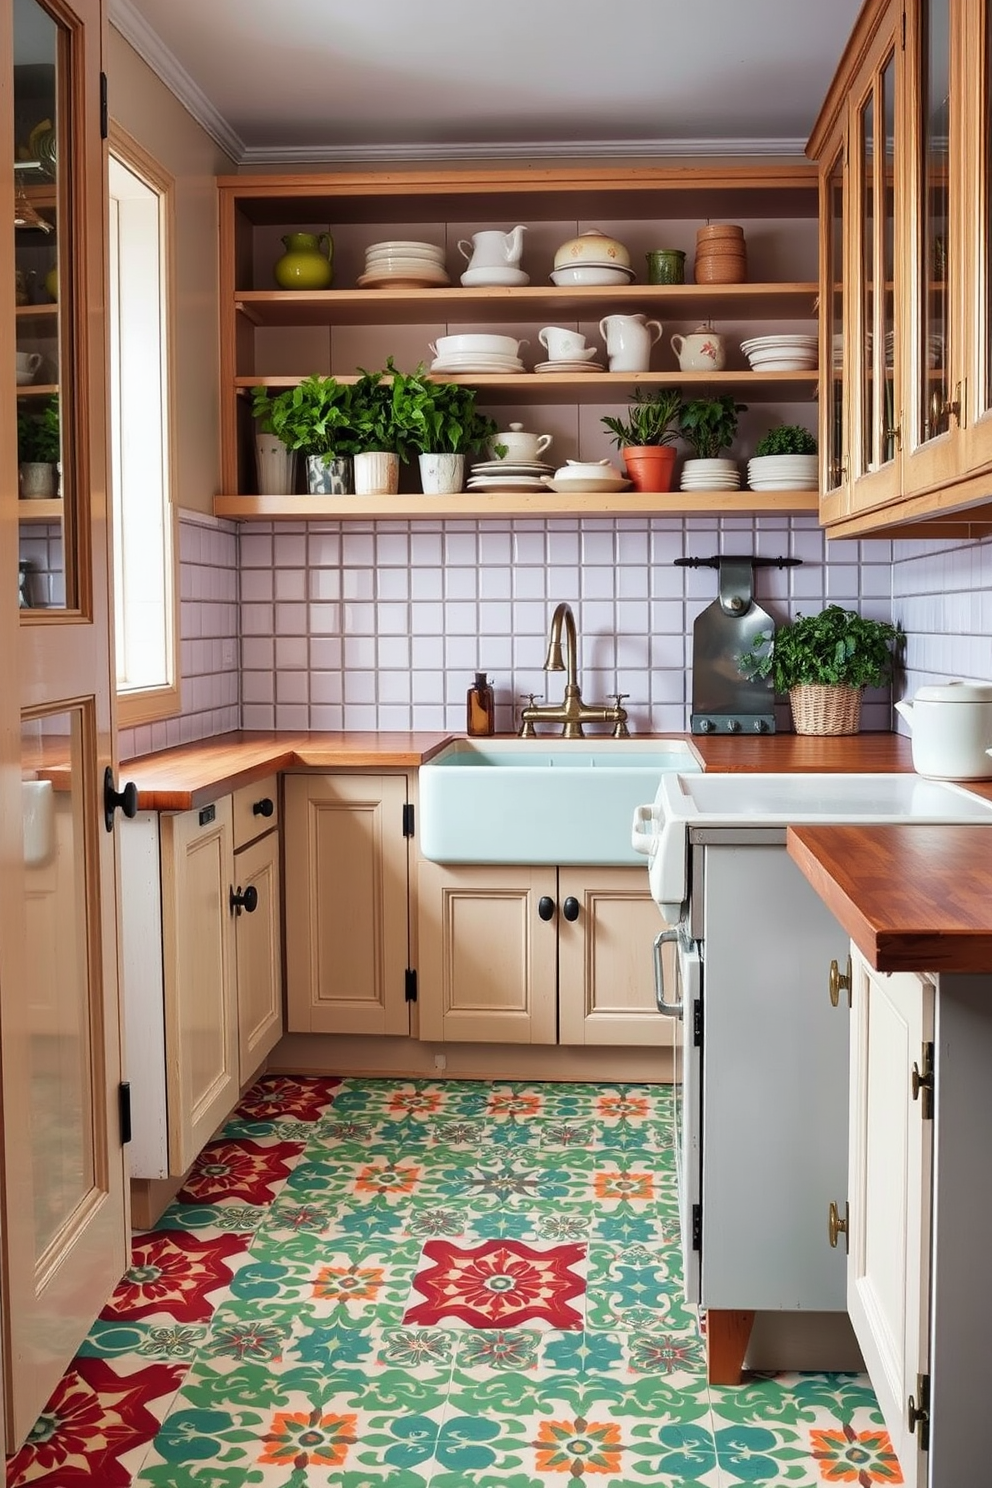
{"x": 688, "y": 1111}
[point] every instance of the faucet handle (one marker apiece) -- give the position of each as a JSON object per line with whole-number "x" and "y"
{"x": 618, "y": 697}
{"x": 530, "y": 698}
{"x": 527, "y": 730}
{"x": 620, "y": 731}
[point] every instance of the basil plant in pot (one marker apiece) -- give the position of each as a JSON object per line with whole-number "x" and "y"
{"x": 443, "y": 425}
{"x": 824, "y": 662}
{"x": 646, "y": 437}
{"x": 709, "y": 425}
{"x": 315, "y": 419}
{"x": 39, "y": 450}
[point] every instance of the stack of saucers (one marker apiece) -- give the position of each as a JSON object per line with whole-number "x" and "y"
{"x": 710, "y": 475}
{"x": 792, "y": 352}
{"x": 509, "y": 475}
{"x": 399, "y": 263}
{"x": 474, "y": 351}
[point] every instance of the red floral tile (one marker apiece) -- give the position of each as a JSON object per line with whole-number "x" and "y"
{"x": 93, "y": 1419}
{"x": 276, "y": 1098}
{"x": 499, "y": 1284}
{"x": 172, "y": 1271}
{"x": 241, "y": 1170}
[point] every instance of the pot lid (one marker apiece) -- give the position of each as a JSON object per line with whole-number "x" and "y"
{"x": 955, "y": 691}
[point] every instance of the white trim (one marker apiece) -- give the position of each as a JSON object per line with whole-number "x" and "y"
{"x": 151, "y": 49}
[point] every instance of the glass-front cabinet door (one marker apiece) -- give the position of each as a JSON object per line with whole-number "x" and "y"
{"x": 833, "y": 403}
{"x": 63, "y": 1185}
{"x": 973, "y": 62}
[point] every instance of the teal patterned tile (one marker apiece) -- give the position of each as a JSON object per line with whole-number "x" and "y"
{"x": 177, "y": 1342}
{"x": 214, "y": 1219}
{"x": 637, "y": 1287}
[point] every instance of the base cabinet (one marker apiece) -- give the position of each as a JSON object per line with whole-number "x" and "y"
{"x": 348, "y": 952}
{"x": 537, "y": 955}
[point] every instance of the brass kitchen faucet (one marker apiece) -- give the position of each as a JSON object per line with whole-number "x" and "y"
{"x": 571, "y": 712}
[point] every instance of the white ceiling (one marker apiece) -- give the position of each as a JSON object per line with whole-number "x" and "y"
{"x": 341, "y": 80}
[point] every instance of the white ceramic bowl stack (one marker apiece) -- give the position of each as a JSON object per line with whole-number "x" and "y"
{"x": 399, "y": 263}
{"x": 783, "y": 473}
{"x": 710, "y": 475}
{"x": 592, "y": 258}
{"x": 476, "y": 352}
{"x": 783, "y": 353}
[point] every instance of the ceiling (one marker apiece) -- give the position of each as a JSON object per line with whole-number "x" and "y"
{"x": 354, "y": 80}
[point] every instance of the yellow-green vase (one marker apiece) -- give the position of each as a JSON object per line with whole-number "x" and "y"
{"x": 306, "y": 264}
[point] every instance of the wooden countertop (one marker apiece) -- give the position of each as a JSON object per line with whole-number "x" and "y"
{"x": 912, "y": 898}
{"x": 825, "y": 754}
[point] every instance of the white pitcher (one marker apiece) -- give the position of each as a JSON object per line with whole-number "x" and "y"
{"x": 493, "y": 250}
{"x": 629, "y": 339}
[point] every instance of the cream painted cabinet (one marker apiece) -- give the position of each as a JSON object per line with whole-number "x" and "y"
{"x": 537, "y": 955}
{"x": 348, "y": 948}
{"x": 257, "y": 923}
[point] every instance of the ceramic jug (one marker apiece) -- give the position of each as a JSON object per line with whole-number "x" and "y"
{"x": 702, "y": 351}
{"x": 306, "y": 264}
{"x": 493, "y": 250}
{"x": 629, "y": 339}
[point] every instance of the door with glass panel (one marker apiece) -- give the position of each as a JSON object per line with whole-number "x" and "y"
{"x": 64, "y": 1213}
{"x": 974, "y": 68}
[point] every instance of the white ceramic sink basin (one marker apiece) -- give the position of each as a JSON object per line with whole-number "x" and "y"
{"x": 547, "y": 800}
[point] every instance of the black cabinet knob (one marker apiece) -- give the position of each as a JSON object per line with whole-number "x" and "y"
{"x": 546, "y": 907}
{"x": 570, "y": 909}
{"x": 264, "y": 807}
{"x": 247, "y": 901}
{"x": 125, "y": 800}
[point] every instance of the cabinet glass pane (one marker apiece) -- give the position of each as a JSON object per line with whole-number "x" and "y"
{"x": 834, "y": 279}
{"x": 886, "y": 358}
{"x": 866, "y": 136}
{"x": 42, "y": 291}
{"x": 933, "y": 390}
{"x": 985, "y": 323}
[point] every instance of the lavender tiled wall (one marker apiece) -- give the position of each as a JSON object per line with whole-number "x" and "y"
{"x": 942, "y": 596}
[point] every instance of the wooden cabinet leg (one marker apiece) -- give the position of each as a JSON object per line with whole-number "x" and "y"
{"x": 727, "y": 1335}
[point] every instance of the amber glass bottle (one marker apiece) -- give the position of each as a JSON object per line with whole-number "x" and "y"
{"x": 480, "y": 707}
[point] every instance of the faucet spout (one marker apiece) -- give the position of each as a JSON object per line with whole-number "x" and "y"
{"x": 554, "y": 662}
{"x": 571, "y": 712}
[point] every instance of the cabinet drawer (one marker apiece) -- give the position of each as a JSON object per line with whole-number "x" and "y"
{"x": 256, "y": 810}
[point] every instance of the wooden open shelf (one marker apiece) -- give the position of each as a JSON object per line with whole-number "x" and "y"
{"x": 40, "y": 511}
{"x": 472, "y": 504}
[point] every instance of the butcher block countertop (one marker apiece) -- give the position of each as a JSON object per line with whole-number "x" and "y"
{"x": 193, "y": 775}
{"x": 912, "y": 898}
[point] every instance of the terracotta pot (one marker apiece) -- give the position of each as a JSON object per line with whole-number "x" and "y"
{"x": 650, "y": 466}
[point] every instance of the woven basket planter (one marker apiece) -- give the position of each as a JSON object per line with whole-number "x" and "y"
{"x": 830, "y": 709}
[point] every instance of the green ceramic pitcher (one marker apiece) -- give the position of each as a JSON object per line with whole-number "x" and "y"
{"x": 306, "y": 264}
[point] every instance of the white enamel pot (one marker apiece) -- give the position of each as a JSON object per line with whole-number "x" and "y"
{"x": 951, "y": 725}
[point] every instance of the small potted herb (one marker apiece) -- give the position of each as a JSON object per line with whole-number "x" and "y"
{"x": 443, "y": 425}
{"x": 646, "y": 437}
{"x": 709, "y": 425}
{"x": 39, "y": 451}
{"x": 824, "y": 662}
{"x": 315, "y": 419}
{"x": 784, "y": 459}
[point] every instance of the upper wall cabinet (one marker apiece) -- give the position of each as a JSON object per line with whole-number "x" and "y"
{"x": 903, "y": 145}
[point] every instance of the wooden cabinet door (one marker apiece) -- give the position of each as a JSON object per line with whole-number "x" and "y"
{"x": 259, "y": 954}
{"x": 889, "y": 1195}
{"x": 973, "y": 48}
{"x": 605, "y": 967}
{"x": 347, "y": 904}
{"x": 488, "y": 960}
{"x": 201, "y": 1010}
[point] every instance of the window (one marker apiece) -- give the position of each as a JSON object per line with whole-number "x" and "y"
{"x": 144, "y": 516}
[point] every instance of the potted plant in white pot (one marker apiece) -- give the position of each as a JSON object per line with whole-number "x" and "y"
{"x": 382, "y": 435}
{"x": 275, "y": 462}
{"x": 784, "y": 459}
{"x": 824, "y": 662}
{"x": 443, "y": 425}
{"x": 646, "y": 437}
{"x": 709, "y": 425}
{"x": 314, "y": 418}
{"x": 39, "y": 450}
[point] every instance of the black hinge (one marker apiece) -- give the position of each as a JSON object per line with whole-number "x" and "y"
{"x": 124, "y": 1103}
{"x": 697, "y": 1226}
{"x": 904, "y": 31}
{"x": 411, "y": 984}
{"x": 104, "y": 109}
{"x": 923, "y": 1083}
{"x": 408, "y": 820}
{"x": 697, "y": 1024}
{"x": 919, "y": 1412}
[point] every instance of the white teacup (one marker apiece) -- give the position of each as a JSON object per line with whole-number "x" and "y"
{"x": 563, "y": 345}
{"x": 522, "y": 448}
{"x": 27, "y": 364}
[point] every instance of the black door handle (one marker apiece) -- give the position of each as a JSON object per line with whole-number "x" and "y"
{"x": 264, "y": 807}
{"x": 247, "y": 901}
{"x": 570, "y": 909}
{"x": 546, "y": 907}
{"x": 126, "y": 799}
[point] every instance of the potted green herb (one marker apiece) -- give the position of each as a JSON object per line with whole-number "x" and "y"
{"x": 646, "y": 437}
{"x": 383, "y": 437}
{"x": 784, "y": 459}
{"x": 709, "y": 425}
{"x": 39, "y": 451}
{"x": 824, "y": 662}
{"x": 443, "y": 425}
{"x": 315, "y": 419}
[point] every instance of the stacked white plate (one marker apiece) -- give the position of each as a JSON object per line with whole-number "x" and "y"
{"x": 604, "y": 485}
{"x": 499, "y": 275}
{"x": 508, "y": 475}
{"x": 730, "y": 481}
{"x": 564, "y": 364}
{"x": 404, "y": 262}
{"x": 592, "y": 273}
{"x": 460, "y": 364}
{"x": 783, "y": 473}
{"x": 782, "y": 353}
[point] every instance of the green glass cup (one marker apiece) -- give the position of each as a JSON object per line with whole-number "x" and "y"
{"x": 666, "y": 266}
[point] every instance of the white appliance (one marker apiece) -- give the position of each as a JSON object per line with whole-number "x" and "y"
{"x": 761, "y": 1054}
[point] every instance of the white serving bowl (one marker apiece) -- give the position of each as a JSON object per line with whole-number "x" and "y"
{"x": 475, "y": 341}
{"x": 585, "y": 470}
{"x": 591, "y": 274}
{"x": 592, "y": 247}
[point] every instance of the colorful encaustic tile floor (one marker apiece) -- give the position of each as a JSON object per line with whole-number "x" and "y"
{"x": 466, "y": 1285}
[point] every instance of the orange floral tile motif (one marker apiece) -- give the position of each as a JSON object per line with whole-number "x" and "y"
{"x": 416, "y": 1103}
{"x": 348, "y": 1283}
{"x": 519, "y": 1107}
{"x": 499, "y": 1284}
{"x": 849, "y": 1456}
{"x": 619, "y": 1183}
{"x": 612, "y": 1106}
{"x": 385, "y": 1178}
{"x": 578, "y": 1447}
{"x": 297, "y": 1440}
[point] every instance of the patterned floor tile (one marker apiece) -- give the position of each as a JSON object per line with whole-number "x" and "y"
{"x": 498, "y": 1284}
{"x": 246, "y": 1171}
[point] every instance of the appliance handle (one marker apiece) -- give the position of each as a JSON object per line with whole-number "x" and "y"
{"x": 670, "y": 1009}
{"x": 642, "y": 830}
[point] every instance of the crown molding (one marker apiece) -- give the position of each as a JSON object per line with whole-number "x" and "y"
{"x": 152, "y": 49}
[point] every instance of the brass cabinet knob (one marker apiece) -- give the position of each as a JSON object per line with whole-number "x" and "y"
{"x": 835, "y": 1225}
{"x": 838, "y": 981}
